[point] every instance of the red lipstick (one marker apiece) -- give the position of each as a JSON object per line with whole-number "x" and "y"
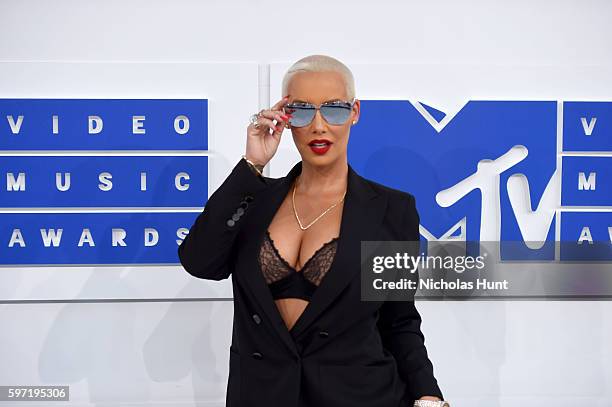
{"x": 320, "y": 146}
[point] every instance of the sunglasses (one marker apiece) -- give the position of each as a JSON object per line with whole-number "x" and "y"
{"x": 335, "y": 112}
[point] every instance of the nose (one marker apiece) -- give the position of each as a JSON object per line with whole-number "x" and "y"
{"x": 318, "y": 123}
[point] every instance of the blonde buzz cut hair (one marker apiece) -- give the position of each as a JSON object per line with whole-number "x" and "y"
{"x": 321, "y": 63}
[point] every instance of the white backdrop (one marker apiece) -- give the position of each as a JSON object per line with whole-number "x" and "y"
{"x": 158, "y": 352}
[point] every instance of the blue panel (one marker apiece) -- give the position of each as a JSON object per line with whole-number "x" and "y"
{"x": 36, "y": 130}
{"x": 100, "y": 226}
{"x": 602, "y": 169}
{"x": 572, "y": 225}
{"x": 408, "y": 154}
{"x": 574, "y": 136}
{"x": 41, "y": 191}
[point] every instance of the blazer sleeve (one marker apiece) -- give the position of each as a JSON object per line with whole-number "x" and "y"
{"x": 399, "y": 325}
{"x": 206, "y": 251}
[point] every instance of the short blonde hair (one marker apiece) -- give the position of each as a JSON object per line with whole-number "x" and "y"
{"x": 321, "y": 63}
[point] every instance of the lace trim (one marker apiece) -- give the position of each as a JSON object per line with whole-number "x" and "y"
{"x": 275, "y": 267}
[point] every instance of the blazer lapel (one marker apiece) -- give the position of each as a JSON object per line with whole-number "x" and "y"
{"x": 362, "y": 216}
{"x": 262, "y": 213}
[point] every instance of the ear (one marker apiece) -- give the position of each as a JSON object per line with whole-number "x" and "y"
{"x": 356, "y": 111}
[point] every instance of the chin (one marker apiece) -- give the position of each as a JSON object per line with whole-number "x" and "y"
{"x": 320, "y": 160}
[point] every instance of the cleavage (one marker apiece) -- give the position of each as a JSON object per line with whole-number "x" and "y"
{"x": 289, "y": 266}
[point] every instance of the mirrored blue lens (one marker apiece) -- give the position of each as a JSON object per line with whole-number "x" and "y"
{"x": 301, "y": 116}
{"x": 334, "y": 114}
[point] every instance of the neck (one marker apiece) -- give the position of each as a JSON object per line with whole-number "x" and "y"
{"x": 316, "y": 179}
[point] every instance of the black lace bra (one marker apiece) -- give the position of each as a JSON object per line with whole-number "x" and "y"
{"x": 286, "y": 282}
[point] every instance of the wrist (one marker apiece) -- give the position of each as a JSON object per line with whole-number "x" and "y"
{"x": 257, "y": 167}
{"x": 431, "y": 403}
{"x": 254, "y": 161}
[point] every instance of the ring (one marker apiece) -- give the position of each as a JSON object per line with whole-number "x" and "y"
{"x": 254, "y": 122}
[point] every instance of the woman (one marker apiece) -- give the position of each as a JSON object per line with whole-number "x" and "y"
{"x": 301, "y": 335}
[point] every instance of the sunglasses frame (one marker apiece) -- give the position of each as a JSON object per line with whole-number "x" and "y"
{"x": 318, "y": 108}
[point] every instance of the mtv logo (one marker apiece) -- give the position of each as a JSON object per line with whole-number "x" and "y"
{"x": 489, "y": 174}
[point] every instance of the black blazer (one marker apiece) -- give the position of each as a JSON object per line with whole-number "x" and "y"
{"x": 341, "y": 351}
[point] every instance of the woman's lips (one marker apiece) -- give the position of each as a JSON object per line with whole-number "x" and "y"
{"x": 319, "y": 146}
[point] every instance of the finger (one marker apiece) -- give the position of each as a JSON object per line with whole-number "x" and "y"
{"x": 275, "y": 115}
{"x": 278, "y": 105}
{"x": 263, "y": 122}
{"x": 281, "y": 120}
{"x": 276, "y": 132}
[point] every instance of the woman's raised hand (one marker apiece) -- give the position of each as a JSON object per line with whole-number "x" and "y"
{"x": 262, "y": 141}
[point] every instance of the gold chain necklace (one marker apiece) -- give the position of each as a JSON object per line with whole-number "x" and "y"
{"x": 318, "y": 217}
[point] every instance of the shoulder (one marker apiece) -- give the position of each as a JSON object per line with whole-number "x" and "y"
{"x": 394, "y": 195}
{"x": 401, "y": 215}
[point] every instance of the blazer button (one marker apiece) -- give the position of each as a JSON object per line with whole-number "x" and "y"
{"x": 240, "y": 211}
{"x": 248, "y": 198}
{"x": 244, "y": 205}
{"x": 230, "y": 223}
{"x": 323, "y": 334}
{"x": 257, "y": 355}
{"x": 257, "y": 319}
{"x": 235, "y": 217}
